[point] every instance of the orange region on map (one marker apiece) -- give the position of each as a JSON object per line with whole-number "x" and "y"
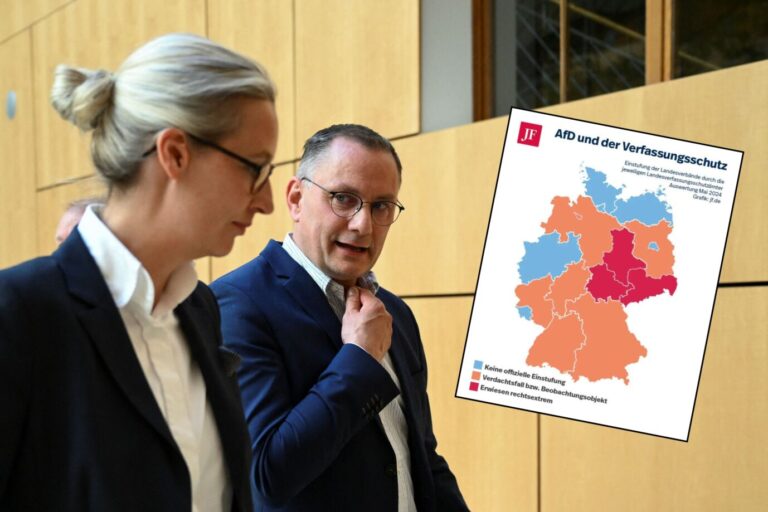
{"x": 659, "y": 262}
{"x": 569, "y": 285}
{"x": 592, "y": 340}
{"x": 533, "y": 295}
{"x": 557, "y": 344}
{"x": 610, "y": 346}
{"x": 584, "y": 220}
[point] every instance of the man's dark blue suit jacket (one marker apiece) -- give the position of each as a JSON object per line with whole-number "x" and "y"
{"x": 312, "y": 403}
{"x": 79, "y": 427}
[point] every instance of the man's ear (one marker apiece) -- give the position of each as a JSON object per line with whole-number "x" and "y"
{"x": 293, "y": 196}
{"x": 172, "y": 152}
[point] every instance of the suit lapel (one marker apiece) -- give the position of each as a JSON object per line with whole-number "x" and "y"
{"x": 403, "y": 357}
{"x": 304, "y": 291}
{"x": 201, "y": 336}
{"x": 399, "y": 352}
{"x": 102, "y": 321}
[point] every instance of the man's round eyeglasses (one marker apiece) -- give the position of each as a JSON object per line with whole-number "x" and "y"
{"x": 260, "y": 173}
{"x": 347, "y": 204}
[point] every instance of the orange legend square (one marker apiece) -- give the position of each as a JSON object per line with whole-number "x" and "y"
{"x": 475, "y": 375}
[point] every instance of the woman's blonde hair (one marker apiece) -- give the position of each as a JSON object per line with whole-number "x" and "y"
{"x": 177, "y": 80}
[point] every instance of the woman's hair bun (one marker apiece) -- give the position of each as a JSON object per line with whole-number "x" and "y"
{"x": 82, "y": 96}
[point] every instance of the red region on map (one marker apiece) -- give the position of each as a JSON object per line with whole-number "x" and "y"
{"x": 623, "y": 277}
{"x": 582, "y": 310}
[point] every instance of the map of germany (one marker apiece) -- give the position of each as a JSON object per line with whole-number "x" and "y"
{"x": 598, "y": 254}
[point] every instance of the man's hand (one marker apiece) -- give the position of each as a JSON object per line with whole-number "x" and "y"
{"x": 366, "y": 323}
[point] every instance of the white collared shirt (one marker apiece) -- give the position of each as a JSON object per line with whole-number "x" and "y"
{"x": 162, "y": 351}
{"x": 392, "y": 415}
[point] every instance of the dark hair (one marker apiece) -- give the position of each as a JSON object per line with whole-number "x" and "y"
{"x": 318, "y": 144}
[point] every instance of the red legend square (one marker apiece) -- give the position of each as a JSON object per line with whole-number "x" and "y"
{"x": 529, "y": 134}
{"x": 473, "y": 386}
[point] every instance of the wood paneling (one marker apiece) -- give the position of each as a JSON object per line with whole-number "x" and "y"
{"x": 492, "y": 450}
{"x": 654, "y": 41}
{"x": 16, "y": 15}
{"x": 93, "y": 34}
{"x": 203, "y": 268}
{"x": 53, "y": 202}
{"x": 357, "y": 62}
{"x": 724, "y": 108}
{"x": 448, "y": 183}
{"x": 482, "y": 59}
{"x": 264, "y": 228}
{"x": 17, "y": 145}
{"x": 263, "y": 31}
{"x": 724, "y": 466}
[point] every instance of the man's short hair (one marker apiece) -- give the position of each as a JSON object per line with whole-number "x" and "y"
{"x": 316, "y": 146}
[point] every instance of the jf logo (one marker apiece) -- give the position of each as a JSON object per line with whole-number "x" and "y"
{"x": 530, "y": 134}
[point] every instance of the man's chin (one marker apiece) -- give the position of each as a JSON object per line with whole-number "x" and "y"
{"x": 348, "y": 276}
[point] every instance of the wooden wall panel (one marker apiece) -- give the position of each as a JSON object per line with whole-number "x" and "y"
{"x": 17, "y": 145}
{"x": 264, "y": 227}
{"x": 724, "y": 108}
{"x": 491, "y": 450}
{"x": 17, "y": 15}
{"x": 93, "y": 34}
{"x": 263, "y": 31}
{"x": 448, "y": 182}
{"x": 724, "y": 466}
{"x": 52, "y": 203}
{"x": 357, "y": 62}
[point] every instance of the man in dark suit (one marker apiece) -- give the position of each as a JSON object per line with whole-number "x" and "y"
{"x": 80, "y": 427}
{"x": 334, "y": 376}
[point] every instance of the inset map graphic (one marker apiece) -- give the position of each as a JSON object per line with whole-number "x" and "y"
{"x": 598, "y": 254}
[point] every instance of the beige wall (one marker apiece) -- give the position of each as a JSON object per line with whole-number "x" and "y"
{"x": 333, "y": 79}
{"x": 337, "y": 61}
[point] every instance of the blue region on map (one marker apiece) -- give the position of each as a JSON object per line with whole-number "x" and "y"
{"x": 525, "y": 312}
{"x": 548, "y": 256}
{"x": 653, "y": 246}
{"x": 602, "y": 194}
{"x": 647, "y": 208}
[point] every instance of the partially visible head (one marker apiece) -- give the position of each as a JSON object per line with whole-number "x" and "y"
{"x": 72, "y": 215}
{"x": 352, "y": 160}
{"x": 176, "y": 80}
{"x": 175, "y": 94}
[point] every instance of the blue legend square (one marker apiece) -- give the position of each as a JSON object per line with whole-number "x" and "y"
{"x": 478, "y": 365}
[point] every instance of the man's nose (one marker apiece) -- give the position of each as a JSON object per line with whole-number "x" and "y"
{"x": 362, "y": 221}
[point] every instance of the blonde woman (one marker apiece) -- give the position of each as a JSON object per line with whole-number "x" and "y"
{"x": 114, "y": 391}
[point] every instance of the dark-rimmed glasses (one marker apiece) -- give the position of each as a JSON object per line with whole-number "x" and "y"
{"x": 347, "y": 204}
{"x": 259, "y": 172}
